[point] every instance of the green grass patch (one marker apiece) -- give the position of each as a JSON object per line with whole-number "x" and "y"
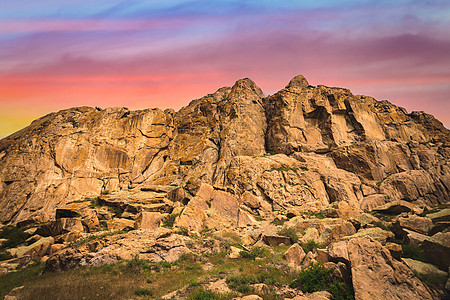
{"x": 18, "y": 278}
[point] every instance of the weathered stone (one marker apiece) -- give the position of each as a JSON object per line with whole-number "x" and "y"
{"x": 374, "y": 270}
{"x": 251, "y": 200}
{"x": 219, "y": 286}
{"x": 395, "y": 250}
{"x": 376, "y": 233}
{"x": 148, "y": 220}
{"x": 436, "y": 248}
{"x": 294, "y": 255}
{"x": 337, "y": 252}
{"x": 261, "y": 288}
{"x": 414, "y": 223}
{"x": 439, "y": 227}
{"x": 310, "y": 258}
{"x": 234, "y": 252}
{"x": 366, "y": 219}
{"x": 117, "y": 224}
{"x": 310, "y": 234}
{"x": 37, "y": 249}
{"x": 336, "y": 232}
{"x": 249, "y": 297}
{"x": 373, "y": 201}
{"x": 340, "y": 210}
{"x": 275, "y": 240}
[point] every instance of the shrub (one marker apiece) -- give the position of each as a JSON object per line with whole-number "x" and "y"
{"x": 143, "y": 292}
{"x": 254, "y": 253}
{"x": 14, "y": 236}
{"x": 182, "y": 231}
{"x": 310, "y": 245}
{"x": 290, "y": 232}
{"x": 168, "y": 222}
{"x": 317, "y": 278}
{"x": 279, "y": 222}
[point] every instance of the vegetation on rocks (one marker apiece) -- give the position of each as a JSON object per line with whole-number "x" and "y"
{"x": 316, "y": 278}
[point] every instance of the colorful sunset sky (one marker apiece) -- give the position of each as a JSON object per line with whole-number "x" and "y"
{"x": 58, "y": 54}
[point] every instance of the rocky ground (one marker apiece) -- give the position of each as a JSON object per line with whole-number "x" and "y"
{"x": 310, "y": 193}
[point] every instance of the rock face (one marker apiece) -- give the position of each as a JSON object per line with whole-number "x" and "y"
{"x": 300, "y": 149}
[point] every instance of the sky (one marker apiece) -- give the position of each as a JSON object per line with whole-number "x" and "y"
{"x": 141, "y": 54}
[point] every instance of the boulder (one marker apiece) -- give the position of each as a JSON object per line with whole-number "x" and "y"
{"x": 415, "y": 223}
{"x": 374, "y": 269}
{"x": 395, "y": 250}
{"x": 119, "y": 224}
{"x": 251, "y": 200}
{"x": 249, "y": 297}
{"x": 439, "y": 227}
{"x": 337, "y": 252}
{"x": 37, "y": 249}
{"x": 64, "y": 225}
{"x": 366, "y": 219}
{"x": 310, "y": 234}
{"x": 275, "y": 240}
{"x": 148, "y": 220}
{"x": 437, "y": 248}
{"x": 294, "y": 255}
{"x": 375, "y": 233}
{"x": 373, "y": 201}
{"x": 340, "y": 210}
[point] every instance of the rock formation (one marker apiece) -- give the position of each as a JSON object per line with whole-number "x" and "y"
{"x": 236, "y": 160}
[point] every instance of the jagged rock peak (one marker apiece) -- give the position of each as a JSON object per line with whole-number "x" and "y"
{"x": 247, "y": 84}
{"x": 298, "y": 81}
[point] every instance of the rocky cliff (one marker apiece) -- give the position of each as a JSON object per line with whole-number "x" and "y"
{"x": 312, "y": 185}
{"x": 301, "y": 149}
